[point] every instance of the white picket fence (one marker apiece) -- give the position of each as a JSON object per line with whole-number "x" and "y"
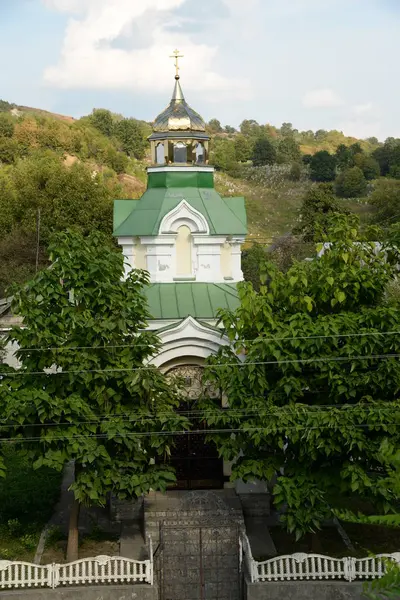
{"x": 97, "y": 570}
{"x": 314, "y": 566}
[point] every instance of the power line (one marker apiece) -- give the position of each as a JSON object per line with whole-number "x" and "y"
{"x": 195, "y": 432}
{"x": 232, "y": 413}
{"x": 209, "y": 366}
{"x": 259, "y": 338}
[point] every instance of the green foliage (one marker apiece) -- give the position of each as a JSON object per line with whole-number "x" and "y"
{"x": 288, "y": 150}
{"x": 243, "y": 148}
{"x": 223, "y": 154}
{"x": 5, "y": 106}
{"x": 26, "y": 495}
{"x": 214, "y": 126}
{"x": 133, "y": 137}
{"x": 103, "y": 408}
{"x": 387, "y": 586}
{"x": 6, "y": 125}
{"x": 310, "y": 416}
{"x": 369, "y": 166}
{"x": 252, "y": 260}
{"x": 102, "y": 119}
{"x": 351, "y": 183}
{"x": 264, "y": 152}
{"x": 318, "y": 205}
{"x": 388, "y": 155}
{"x": 323, "y": 166}
{"x": 296, "y": 171}
{"x": 385, "y": 199}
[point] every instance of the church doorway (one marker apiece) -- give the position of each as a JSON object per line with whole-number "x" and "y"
{"x": 195, "y": 460}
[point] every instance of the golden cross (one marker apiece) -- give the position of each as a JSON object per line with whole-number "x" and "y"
{"x": 176, "y": 56}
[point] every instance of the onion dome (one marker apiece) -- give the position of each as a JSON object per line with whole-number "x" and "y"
{"x": 178, "y": 116}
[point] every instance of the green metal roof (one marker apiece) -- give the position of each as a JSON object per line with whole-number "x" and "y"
{"x": 198, "y": 300}
{"x": 225, "y": 216}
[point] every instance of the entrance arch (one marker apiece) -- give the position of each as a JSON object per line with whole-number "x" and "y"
{"x": 196, "y": 461}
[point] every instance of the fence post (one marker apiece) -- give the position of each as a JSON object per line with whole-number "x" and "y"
{"x": 349, "y": 568}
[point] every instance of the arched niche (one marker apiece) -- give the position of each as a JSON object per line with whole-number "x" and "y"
{"x": 180, "y": 153}
{"x": 183, "y": 252}
{"x": 200, "y": 153}
{"x": 160, "y": 158}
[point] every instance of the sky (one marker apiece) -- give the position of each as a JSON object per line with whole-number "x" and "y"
{"x": 318, "y": 64}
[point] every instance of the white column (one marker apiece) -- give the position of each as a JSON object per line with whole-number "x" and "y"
{"x": 127, "y": 244}
{"x": 160, "y": 257}
{"x": 237, "y": 273}
{"x": 209, "y": 258}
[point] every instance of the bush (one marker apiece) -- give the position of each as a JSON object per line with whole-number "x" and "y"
{"x": 351, "y": 183}
{"x": 323, "y": 167}
{"x": 26, "y": 494}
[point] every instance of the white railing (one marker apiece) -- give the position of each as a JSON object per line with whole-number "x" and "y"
{"x": 314, "y": 566}
{"x": 97, "y": 570}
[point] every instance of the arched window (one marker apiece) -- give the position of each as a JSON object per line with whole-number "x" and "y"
{"x": 160, "y": 158}
{"x": 184, "y": 252}
{"x": 180, "y": 152}
{"x": 200, "y": 153}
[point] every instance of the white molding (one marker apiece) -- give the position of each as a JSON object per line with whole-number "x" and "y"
{"x": 167, "y": 239}
{"x": 189, "y": 339}
{"x": 184, "y": 214}
{"x": 203, "y": 169}
{"x": 209, "y": 241}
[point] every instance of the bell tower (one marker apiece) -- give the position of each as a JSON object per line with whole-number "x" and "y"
{"x": 179, "y": 132}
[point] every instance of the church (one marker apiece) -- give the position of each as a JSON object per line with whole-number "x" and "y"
{"x": 189, "y": 239}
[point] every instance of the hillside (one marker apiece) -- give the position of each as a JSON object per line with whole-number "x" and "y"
{"x": 70, "y": 170}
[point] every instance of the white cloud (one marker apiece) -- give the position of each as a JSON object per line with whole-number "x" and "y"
{"x": 362, "y": 109}
{"x": 323, "y": 98}
{"x": 92, "y": 56}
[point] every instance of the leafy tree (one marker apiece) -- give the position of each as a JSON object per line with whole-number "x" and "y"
{"x": 386, "y": 200}
{"x": 343, "y": 156}
{"x": 351, "y": 183}
{"x": 229, "y": 129}
{"x": 296, "y": 171}
{"x": 286, "y": 130}
{"x": 133, "y": 136}
{"x": 102, "y": 119}
{"x": 9, "y": 150}
{"x": 243, "y": 148}
{"x": 288, "y": 150}
{"x": 264, "y": 152}
{"x": 388, "y": 155}
{"x": 6, "y": 125}
{"x": 251, "y": 128}
{"x": 223, "y": 154}
{"x": 318, "y": 205}
{"x": 323, "y": 166}
{"x": 368, "y": 165}
{"x": 214, "y": 126}
{"x": 5, "y": 106}
{"x": 252, "y": 260}
{"x": 84, "y": 387}
{"x": 310, "y": 416}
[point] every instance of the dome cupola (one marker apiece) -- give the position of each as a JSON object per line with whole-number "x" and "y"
{"x": 179, "y": 132}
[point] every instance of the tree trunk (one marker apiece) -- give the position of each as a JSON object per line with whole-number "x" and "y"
{"x": 73, "y": 532}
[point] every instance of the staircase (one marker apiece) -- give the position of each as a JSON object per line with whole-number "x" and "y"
{"x": 197, "y": 535}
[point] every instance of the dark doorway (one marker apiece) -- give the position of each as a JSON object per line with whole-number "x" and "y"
{"x": 195, "y": 460}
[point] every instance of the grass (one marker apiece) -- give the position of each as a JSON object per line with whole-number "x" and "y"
{"x": 272, "y": 207}
{"x": 27, "y": 499}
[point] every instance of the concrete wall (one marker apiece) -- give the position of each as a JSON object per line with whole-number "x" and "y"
{"x": 114, "y": 592}
{"x": 304, "y": 590}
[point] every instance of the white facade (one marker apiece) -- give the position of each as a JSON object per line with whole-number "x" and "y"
{"x": 184, "y": 250}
